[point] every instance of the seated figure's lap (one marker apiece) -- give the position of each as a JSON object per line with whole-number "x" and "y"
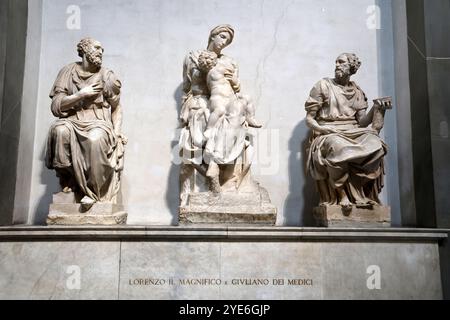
{"x": 93, "y": 134}
{"x": 332, "y": 144}
{"x": 97, "y": 135}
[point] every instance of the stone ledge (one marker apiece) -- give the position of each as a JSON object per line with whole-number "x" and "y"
{"x": 222, "y": 233}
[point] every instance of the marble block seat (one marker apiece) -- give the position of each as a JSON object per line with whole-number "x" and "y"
{"x": 252, "y": 207}
{"x": 65, "y": 210}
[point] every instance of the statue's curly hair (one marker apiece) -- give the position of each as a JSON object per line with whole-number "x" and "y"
{"x": 83, "y": 46}
{"x": 355, "y": 62}
{"x": 207, "y": 60}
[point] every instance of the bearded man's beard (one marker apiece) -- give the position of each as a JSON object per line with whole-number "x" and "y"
{"x": 95, "y": 59}
{"x": 342, "y": 73}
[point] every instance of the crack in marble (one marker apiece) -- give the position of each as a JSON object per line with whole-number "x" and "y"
{"x": 8, "y": 115}
{"x": 260, "y": 71}
{"x": 423, "y": 54}
{"x": 47, "y": 268}
{"x": 120, "y": 266}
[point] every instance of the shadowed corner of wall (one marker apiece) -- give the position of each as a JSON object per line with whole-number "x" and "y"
{"x": 303, "y": 197}
{"x": 444, "y": 254}
{"x": 173, "y": 185}
{"x": 50, "y": 181}
{"x": 387, "y": 84}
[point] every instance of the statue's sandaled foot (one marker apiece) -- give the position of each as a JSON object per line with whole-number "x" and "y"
{"x": 362, "y": 203}
{"x": 253, "y": 123}
{"x": 87, "y": 202}
{"x": 345, "y": 203}
{"x": 366, "y": 202}
{"x": 67, "y": 190}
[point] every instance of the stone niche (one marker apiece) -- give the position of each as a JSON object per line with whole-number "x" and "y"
{"x": 278, "y": 77}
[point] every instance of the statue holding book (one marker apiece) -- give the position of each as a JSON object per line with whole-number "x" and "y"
{"x": 346, "y": 153}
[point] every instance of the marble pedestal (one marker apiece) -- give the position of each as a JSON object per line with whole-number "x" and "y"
{"x": 253, "y": 208}
{"x": 358, "y": 217}
{"x": 219, "y": 263}
{"x": 66, "y": 211}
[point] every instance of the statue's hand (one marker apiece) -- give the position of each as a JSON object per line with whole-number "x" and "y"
{"x": 91, "y": 90}
{"x": 122, "y": 141}
{"x": 122, "y": 138}
{"x": 383, "y": 103}
{"x": 326, "y": 130}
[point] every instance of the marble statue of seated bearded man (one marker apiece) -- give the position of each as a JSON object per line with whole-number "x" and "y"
{"x": 346, "y": 154}
{"x": 85, "y": 145}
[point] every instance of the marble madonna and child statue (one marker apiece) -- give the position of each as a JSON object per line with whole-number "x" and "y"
{"x": 85, "y": 145}
{"x": 345, "y": 153}
{"x": 216, "y": 185}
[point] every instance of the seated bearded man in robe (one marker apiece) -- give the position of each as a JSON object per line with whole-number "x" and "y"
{"x": 345, "y": 155}
{"x": 86, "y": 146}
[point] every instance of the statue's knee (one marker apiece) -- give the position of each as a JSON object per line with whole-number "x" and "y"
{"x": 97, "y": 135}
{"x": 220, "y": 110}
{"x": 62, "y": 132}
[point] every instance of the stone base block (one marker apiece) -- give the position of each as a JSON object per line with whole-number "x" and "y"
{"x": 96, "y": 209}
{"x": 227, "y": 218}
{"x": 358, "y": 217}
{"x": 229, "y": 208}
{"x": 87, "y": 219}
{"x": 66, "y": 211}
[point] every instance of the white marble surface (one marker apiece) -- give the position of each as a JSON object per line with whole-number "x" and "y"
{"x": 334, "y": 263}
{"x": 41, "y": 270}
